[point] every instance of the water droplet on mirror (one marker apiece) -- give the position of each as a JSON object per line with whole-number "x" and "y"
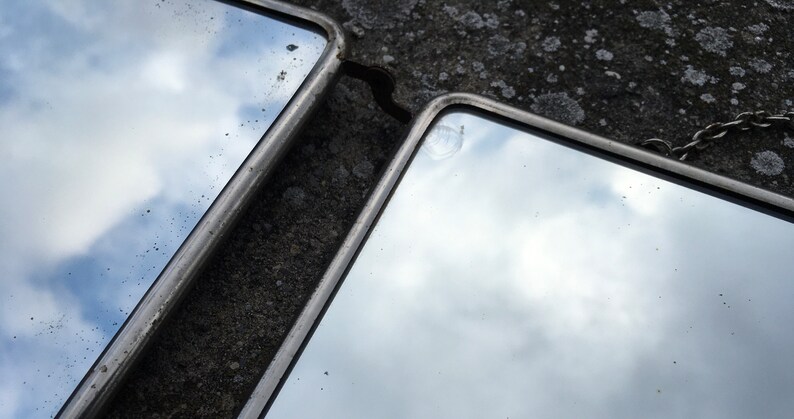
{"x": 442, "y": 142}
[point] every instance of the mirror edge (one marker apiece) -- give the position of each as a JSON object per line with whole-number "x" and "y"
{"x": 288, "y": 353}
{"x": 100, "y": 383}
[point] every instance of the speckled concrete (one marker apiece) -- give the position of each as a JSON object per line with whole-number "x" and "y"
{"x": 627, "y": 70}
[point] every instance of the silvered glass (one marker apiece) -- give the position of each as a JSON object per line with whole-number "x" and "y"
{"x": 120, "y": 122}
{"x": 511, "y": 276}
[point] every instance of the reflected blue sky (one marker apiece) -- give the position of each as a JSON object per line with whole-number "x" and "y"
{"x": 518, "y": 278}
{"x": 120, "y": 122}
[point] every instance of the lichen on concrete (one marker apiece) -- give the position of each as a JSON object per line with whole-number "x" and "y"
{"x": 560, "y": 107}
{"x": 781, "y": 4}
{"x": 768, "y": 163}
{"x": 715, "y": 39}
{"x": 551, "y": 44}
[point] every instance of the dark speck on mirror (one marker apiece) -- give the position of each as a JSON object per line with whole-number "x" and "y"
{"x": 291, "y": 47}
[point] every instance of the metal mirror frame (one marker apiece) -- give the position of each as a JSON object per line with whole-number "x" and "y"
{"x": 103, "y": 379}
{"x": 643, "y": 160}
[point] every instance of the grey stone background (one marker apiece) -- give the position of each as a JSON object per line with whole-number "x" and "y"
{"x": 627, "y": 70}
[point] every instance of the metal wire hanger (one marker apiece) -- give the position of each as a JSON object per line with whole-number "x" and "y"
{"x": 704, "y": 138}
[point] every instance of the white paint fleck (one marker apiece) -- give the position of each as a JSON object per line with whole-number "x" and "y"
{"x": 604, "y": 55}
{"x": 443, "y": 76}
{"x": 768, "y": 163}
{"x": 734, "y": 101}
{"x": 788, "y": 141}
{"x": 552, "y": 78}
{"x": 738, "y": 86}
{"x": 477, "y": 66}
{"x": 551, "y": 44}
{"x": 388, "y": 59}
{"x": 613, "y": 74}
{"x": 714, "y": 39}
{"x": 708, "y": 98}
{"x": 602, "y": 122}
{"x": 559, "y": 106}
{"x": 760, "y": 65}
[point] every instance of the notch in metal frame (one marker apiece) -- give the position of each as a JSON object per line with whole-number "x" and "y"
{"x": 382, "y": 84}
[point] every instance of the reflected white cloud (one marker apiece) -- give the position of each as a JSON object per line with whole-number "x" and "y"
{"x": 519, "y": 278}
{"x": 120, "y": 122}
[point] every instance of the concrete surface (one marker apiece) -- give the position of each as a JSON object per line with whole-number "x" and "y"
{"x": 627, "y": 70}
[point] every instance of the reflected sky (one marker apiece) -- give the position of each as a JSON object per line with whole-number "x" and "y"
{"x": 517, "y": 278}
{"x": 120, "y": 122}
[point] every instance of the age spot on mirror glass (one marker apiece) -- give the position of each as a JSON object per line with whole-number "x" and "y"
{"x": 120, "y": 122}
{"x": 520, "y": 278}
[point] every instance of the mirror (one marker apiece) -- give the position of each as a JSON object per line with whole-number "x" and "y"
{"x": 120, "y": 123}
{"x": 510, "y": 276}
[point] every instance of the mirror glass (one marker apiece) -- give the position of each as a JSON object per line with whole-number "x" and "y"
{"x": 120, "y": 122}
{"x": 510, "y": 276}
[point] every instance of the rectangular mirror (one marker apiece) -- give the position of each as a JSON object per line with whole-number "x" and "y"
{"x": 513, "y": 272}
{"x": 121, "y": 122}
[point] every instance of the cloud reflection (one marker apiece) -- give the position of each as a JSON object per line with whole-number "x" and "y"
{"x": 520, "y": 278}
{"x": 120, "y": 122}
